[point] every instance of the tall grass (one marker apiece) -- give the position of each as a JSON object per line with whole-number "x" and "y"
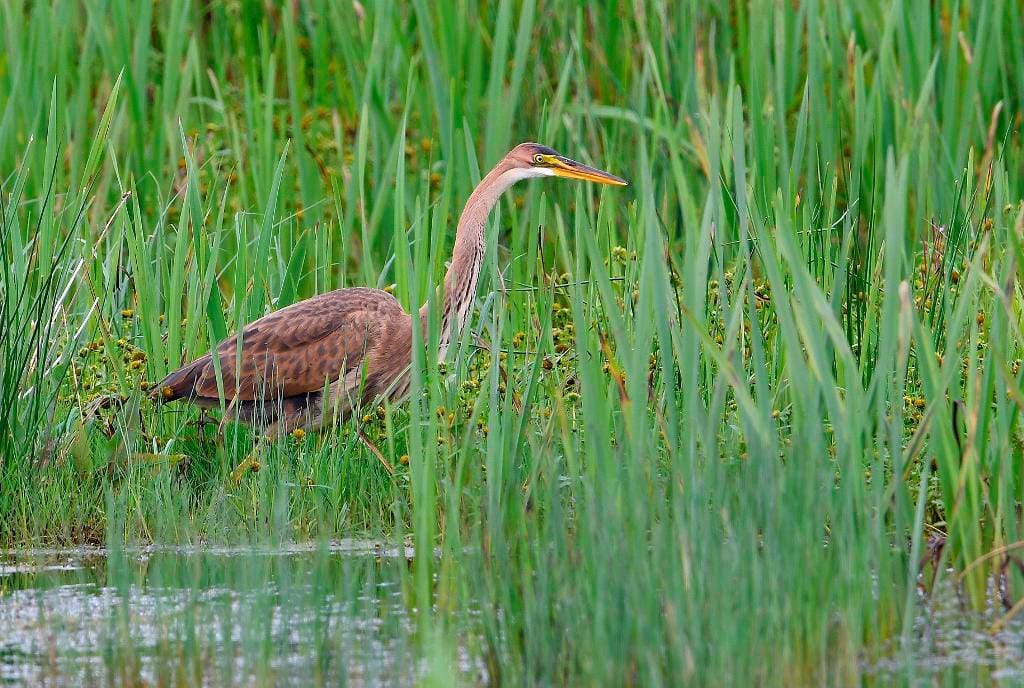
{"x": 707, "y": 428}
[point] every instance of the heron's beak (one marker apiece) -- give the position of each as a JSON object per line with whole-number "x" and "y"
{"x": 564, "y": 167}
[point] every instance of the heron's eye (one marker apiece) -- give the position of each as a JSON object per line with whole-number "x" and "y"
{"x": 538, "y": 158}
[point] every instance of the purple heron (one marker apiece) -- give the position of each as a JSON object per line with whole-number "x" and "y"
{"x": 316, "y": 360}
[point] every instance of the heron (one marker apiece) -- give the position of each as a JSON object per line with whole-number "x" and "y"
{"x": 315, "y": 361}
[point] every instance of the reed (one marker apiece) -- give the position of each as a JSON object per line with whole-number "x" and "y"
{"x": 717, "y": 422}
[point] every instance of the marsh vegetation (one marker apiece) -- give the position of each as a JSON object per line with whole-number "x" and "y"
{"x": 732, "y": 426}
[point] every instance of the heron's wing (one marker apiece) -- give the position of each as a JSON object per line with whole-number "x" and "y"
{"x": 292, "y": 351}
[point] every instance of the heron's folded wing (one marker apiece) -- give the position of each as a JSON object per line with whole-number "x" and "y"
{"x": 295, "y": 350}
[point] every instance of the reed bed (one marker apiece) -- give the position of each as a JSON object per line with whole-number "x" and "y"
{"x": 718, "y": 428}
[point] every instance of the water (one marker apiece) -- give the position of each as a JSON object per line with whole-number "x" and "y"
{"x": 949, "y": 644}
{"x": 331, "y": 614}
{"x": 301, "y": 615}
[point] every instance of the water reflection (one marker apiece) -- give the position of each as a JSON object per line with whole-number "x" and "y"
{"x": 231, "y": 616}
{"x": 951, "y": 645}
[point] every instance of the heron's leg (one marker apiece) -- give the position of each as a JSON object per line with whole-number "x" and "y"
{"x": 340, "y": 403}
{"x": 229, "y": 412}
{"x": 291, "y": 414}
{"x": 376, "y": 452}
{"x": 204, "y": 420}
{"x": 251, "y": 463}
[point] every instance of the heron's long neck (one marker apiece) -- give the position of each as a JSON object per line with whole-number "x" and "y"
{"x": 460, "y": 281}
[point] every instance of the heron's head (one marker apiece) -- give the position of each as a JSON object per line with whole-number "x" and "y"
{"x": 529, "y": 160}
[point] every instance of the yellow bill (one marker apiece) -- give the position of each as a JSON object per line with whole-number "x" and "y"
{"x": 570, "y": 169}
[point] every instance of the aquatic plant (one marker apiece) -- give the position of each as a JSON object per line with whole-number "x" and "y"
{"x": 718, "y": 430}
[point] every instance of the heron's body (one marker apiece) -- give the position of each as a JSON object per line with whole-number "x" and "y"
{"x": 322, "y": 356}
{"x": 315, "y": 361}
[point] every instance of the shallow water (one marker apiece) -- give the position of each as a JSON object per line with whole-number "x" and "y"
{"x": 295, "y": 615}
{"x": 949, "y": 644}
{"x": 333, "y": 614}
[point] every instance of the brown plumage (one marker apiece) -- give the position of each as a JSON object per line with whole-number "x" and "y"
{"x": 318, "y": 359}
